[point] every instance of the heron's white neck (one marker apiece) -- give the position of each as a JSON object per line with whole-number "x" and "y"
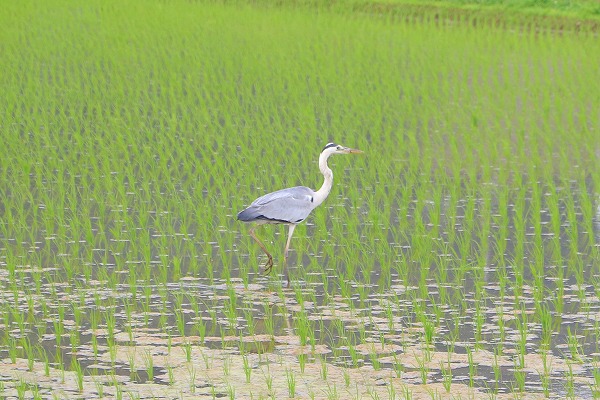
{"x": 322, "y": 193}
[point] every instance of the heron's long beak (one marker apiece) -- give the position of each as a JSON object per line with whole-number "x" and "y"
{"x": 353, "y": 151}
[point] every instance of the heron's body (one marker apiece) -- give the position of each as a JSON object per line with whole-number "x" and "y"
{"x": 292, "y": 205}
{"x": 285, "y": 206}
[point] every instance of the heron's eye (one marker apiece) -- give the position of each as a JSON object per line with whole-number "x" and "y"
{"x": 339, "y": 147}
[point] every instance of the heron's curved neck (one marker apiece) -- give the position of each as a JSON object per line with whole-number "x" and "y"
{"x": 322, "y": 193}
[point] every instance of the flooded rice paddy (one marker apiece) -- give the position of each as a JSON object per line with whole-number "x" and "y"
{"x": 458, "y": 258}
{"x": 474, "y": 334}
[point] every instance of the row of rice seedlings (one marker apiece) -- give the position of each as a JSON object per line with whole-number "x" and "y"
{"x": 165, "y": 207}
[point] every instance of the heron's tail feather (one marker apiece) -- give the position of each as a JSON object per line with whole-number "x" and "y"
{"x": 248, "y": 215}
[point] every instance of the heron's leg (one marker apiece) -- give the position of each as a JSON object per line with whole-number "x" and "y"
{"x": 289, "y": 239}
{"x": 269, "y": 264}
{"x": 285, "y": 252}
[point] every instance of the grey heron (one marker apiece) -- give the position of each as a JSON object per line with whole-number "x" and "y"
{"x": 291, "y": 206}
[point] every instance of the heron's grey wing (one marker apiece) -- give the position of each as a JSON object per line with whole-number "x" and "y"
{"x": 290, "y": 205}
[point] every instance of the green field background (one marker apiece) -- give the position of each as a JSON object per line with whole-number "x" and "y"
{"x": 132, "y": 133}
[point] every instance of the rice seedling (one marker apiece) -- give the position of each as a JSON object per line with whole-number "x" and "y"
{"x": 149, "y": 364}
{"x": 545, "y": 373}
{"x": 520, "y": 376}
{"x": 171, "y": 375}
{"x": 192, "y": 377}
{"x": 324, "y": 369}
{"x": 21, "y": 387}
{"x": 472, "y": 367}
{"x": 231, "y": 392}
{"x": 79, "y": 373}
{"x": 472, "y": 218}
{"x": 269, "y": 381}
{"x": 569, "y": 382}
{"x": 187, "y": 349}
{"x": 12, "y": 349}
{"x": 423, "y": 368}
{"x": 291, "y": 382}
{"x": 595, "y": 385}
{"x": 118, "y": 391}
{"x": 29, "y": 351}
{"x": 446, "y": 375}
{"x": 573, "y": 344}
{"x": 331, "y": 392}
{"x": 373, "y": 394}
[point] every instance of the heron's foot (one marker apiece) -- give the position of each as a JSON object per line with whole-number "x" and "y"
{"x": 269, "y": 266}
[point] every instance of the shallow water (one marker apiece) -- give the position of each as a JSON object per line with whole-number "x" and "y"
{"x": 418, "y": 329}
{"x": 261, "y": 319}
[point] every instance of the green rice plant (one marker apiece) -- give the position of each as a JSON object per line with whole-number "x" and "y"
{"x": 12, "y": 349}
{"x": 353, "y": 355}
{"x": 247, "y": 368}
{"x": 391, "y": 391}
{"x": 227, "y": 366}
{"x": 423, "y": 368}
{"x": 324, "y": 369}
{"x": 346, "y": 375}
{"x": 428, "y": 335}
{"x": 134, "y": 396}
{"x": 573, "y": 344}
{"x": 268, "y": 381}
{"x": 118, "y": 391}
{"x": 99, "y": 387}
{"x": 268, "y": 319}
{"x": 231, "y": 391}
{"x": 43, "y": 356}
{"x": 192, "y": 380}
{"x": 303, "y": 328}
{"x": 133, "y": 374}
{"x": 472, "y": 367}
{"x": 29, "y": 351}
{"x": 74, "y": 340}
{"x": 372, "y": 393}
{"x": 79, "y": 373}
{"x": 595, "y": 386}
{"x": 21, "y": 386}
{"x": 291, "y": 382}
{"x": 569, "y": 382}
{"x": 446, "y": 375}
{"x": 331, "y": 391}
{"x": 149, "y": 363}
{"x": 35, "y": 391}
{"x": 187, "y": 349}
{"x": 374, "y": 358}
{"x": 434, "y": 394}
{"x": 207, "y": 360}
{"x": 302, "y": 359}
{"x": 496, "y": 367}
{"x": 171, "y": 375}
{"x": 112, "y": 350}
{"x": 519, "y": 375}
{"x": 201, "y": 326}
{"x": 478, "y": 188}
{"x": 180, "y": 321}
{"x": 521, "y": 345}
{"x": 545, "y": 374}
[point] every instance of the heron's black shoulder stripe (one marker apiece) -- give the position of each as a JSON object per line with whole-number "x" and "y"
{"x": 274, "y": 220}
{"x": 278, "y": 221}
{"x": 328, "y": 145}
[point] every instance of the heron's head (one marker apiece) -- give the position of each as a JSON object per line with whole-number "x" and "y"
{"x": 332, "y": 148}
